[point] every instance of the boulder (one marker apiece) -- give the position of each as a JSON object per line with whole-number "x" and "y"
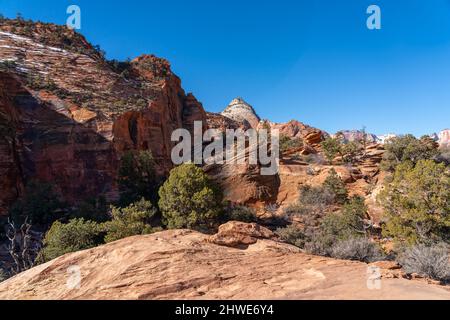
{"x": 236, "y": 234}
{"x": 295, "y": 129}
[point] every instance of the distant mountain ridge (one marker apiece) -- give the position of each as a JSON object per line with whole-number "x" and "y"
{"x": 239, "y": 113}
{"x": 442, "y": 138}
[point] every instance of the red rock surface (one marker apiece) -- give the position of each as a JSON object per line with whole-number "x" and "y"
{"x": 239, "y": 234}
{"x": 69, "y": 115}
{"x": 295, "y": 129}
{"x": 242, "y": 112}
{"x": 184, "y": 264}
{"x": 218, "y": 121}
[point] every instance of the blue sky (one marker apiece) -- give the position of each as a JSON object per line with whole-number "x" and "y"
{"x": 314, "y": 61}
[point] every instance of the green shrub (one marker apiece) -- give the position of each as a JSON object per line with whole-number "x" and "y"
{"x": 39, "y": 203}
{"x": 241, "y": 213}
{"x": 3, "y": 275}
{"x": 314, "y": 203}
{"x": 94, "y": 209}
{"x": 137, "y": 177}
{"x": 360, "y": 249}
{"x": 314, "y": 210}
{"x": 319, "y": 243}
{"x": 292, "y": 235}
{"x": 75, "y": 235}
{"x": 335, "y": 227}
{"x": 292, "y": 210}
{"x": 38, "y": 82}
{"x": 287, "y": 143}
{"x": 335, "y": 185}
{"x": 428, "y": 261}
{"x": 353, "y": 214}
{"x": 349, "y": 222}
{"x": 314, "y": 199}
{"x": 417, "y": 203}
{"x": 444, "y": 156}
{"x": 188, "y": 199}
{"x": 8, "y": 65}
{"x": 331, "y": 148}
{"x": 120, "y": 67}
{"x": 407, "y": 148}
{"x": 351, "y": 150}
{"x": 132, "y": 220}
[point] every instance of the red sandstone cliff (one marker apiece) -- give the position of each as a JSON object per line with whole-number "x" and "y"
{"x": 67, "y": 115}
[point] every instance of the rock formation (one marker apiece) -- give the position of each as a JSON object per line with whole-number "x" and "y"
{"x": 218, "y": 121}
{"x": 67, "y": 115}
{"x": 238, "y": 234}
{"x": 184, "y": 264}
{"x": 242, "y": 183}
{"x": 240, "y": 111}
{"x": 295, "y": 129}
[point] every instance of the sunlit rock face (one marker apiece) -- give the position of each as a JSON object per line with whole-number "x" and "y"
{"x": 240, "y": 111}
{"x": 242, "y": 261}
{"x": 67, "y": 115}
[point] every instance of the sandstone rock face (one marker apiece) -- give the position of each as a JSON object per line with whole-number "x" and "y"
{"x": 237, "y": 234}
{"x": 444, "y": 138}
{"x": 183, "y": 264}
{"x": 363, "y": 178}
{"x": 222, "y": 123}
{"x": 295, "y": 129}
{"x": 11, "y": 182}
{"x": 243, "y": 183}
{"x": 240, "y": 111}
{"x": 68, "y": 115}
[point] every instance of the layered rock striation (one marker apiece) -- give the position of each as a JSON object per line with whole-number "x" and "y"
{"x": 241, "y": 112}
{"x": 67, "y": 115}
{"x": 184, "y": 264}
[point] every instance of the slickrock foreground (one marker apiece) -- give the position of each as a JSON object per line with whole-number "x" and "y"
{"x": 183, "y": 264}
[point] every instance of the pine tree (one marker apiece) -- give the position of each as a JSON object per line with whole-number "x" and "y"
{"x": 188, "y": 199}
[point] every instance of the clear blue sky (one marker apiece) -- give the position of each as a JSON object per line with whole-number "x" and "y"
{"x": 314, "y": 61}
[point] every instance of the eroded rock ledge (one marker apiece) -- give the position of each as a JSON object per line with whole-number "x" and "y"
{"x": 184, "y": 264}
